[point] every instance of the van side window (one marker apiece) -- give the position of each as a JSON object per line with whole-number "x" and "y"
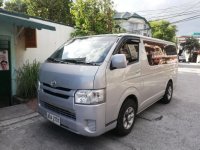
{"x": 158, "y": 53}
{"x": 131, "y": 50}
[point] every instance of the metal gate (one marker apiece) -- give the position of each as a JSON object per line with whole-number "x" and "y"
{"x": 5, "y": 73}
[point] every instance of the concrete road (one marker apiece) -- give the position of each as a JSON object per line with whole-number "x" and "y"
{"x": 175, "y": 126}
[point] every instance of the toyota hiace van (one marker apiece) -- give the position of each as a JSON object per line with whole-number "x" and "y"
{"x": 93, "y": 84}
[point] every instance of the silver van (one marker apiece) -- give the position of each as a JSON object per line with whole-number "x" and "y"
{"x": 93, "y": 84}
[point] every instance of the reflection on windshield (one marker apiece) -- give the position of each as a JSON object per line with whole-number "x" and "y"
{"x": 88, "y": 50}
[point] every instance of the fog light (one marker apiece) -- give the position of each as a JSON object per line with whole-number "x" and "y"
{"x": 91, "y": 124}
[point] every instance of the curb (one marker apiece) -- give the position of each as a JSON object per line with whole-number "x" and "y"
{"x": 18, "y": 119}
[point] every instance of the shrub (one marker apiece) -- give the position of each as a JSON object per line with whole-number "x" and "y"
{"x": 27, "y": 77}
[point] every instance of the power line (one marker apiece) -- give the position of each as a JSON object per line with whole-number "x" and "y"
{"x": 172, "y": 8}
{"x": 175, "y": 6}
{"x": 176, "y": 12}
{"x": 186, "y": 19}
{"x": 171, "y": 13}
{"x": 193, "y": 8}
{"x": 174, "y": 15}
{"x": 184, "y": 12}
{"x": 175, "y": 22}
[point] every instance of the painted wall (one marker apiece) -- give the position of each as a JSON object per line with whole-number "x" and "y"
{"x": 47, "y": 42}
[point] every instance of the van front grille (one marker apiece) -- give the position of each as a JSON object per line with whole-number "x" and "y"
{"x": 59, "y": 88}
{"x": 56, "y": 94}
{"x": 59, "y": 110}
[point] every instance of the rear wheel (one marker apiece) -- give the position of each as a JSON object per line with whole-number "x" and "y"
{"x": 168, "y": 93}
{"x": 126, "y": 118}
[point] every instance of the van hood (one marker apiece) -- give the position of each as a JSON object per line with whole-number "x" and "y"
{"x": 69, "y": 76}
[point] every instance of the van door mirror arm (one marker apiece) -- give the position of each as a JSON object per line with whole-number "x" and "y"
{"x": 111, "y": 67}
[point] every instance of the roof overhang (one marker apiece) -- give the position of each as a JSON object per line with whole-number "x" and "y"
{"x": 25, "y": 22}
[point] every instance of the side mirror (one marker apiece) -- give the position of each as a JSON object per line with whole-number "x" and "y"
{"x": 118, "y": 61}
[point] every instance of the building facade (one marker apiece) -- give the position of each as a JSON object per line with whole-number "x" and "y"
{"x": 24, "y": 38}
{"x": 132, "y": 23}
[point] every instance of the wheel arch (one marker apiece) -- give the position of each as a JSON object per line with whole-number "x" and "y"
{"x": 124, "y": 98}
{"x": 170, "y": 80}
{"x": 131, "y": 97}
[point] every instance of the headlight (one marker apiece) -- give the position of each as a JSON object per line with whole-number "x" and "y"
{"x": 90, "y": 96}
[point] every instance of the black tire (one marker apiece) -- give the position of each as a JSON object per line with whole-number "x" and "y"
{"x": 123, "y": 128}
{"x": 168, "y": 93}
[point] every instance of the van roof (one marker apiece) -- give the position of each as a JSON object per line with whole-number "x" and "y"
{"x": 134, "y": 35}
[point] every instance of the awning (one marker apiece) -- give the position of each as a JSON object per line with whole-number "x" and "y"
{"x": 25, "y": 22}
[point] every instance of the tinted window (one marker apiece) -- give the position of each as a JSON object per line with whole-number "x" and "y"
{"x": 158, "y": 53}
{"x": 131, "y": 49}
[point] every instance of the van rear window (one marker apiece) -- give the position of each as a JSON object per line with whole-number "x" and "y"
{"x": 158, "y": 53}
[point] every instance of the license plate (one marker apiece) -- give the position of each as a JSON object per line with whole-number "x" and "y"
{"x": 53, "y": 118}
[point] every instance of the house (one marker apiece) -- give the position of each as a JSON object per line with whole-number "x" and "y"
{"x": 24, "y": 38}
{"x": 132, "y": 23}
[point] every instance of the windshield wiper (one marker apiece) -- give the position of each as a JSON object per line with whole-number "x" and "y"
{"x": 74, "y": 60}
{"x": 53, "y": 59}
{"x": 78, "y": 61}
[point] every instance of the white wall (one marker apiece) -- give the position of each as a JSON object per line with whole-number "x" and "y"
{"x": 47, "y": 42}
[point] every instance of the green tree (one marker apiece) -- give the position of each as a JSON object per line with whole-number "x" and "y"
{"x": 16, "y": 5}
{"x": 191, "y": 45}
{"x": 164, "y": 30}
{"x": 1, "y": 3}
{"x": 92, "y": 17}
{"x": 55, "y": 10}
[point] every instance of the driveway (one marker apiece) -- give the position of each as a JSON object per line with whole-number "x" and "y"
{"x": 168, "y": 127}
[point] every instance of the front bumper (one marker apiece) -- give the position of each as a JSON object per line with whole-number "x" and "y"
{"x": 89, "y": 119}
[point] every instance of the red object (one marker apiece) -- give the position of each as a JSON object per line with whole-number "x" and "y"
{"x": 30, "y": 38}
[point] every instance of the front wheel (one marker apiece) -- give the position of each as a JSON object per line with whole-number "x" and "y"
{"x": 126, "y": 118}
{"x": 168, "y": 94}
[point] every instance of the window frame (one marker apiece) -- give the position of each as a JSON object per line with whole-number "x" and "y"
{"x": 123, "y": 41}
{"x": 160, "y": 45}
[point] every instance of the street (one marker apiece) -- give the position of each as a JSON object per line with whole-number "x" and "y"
{"x": 174, "y": 126}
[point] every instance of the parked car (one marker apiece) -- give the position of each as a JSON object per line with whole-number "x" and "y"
{"x": 181, "y": 56}
{"x": 94, "y": 84}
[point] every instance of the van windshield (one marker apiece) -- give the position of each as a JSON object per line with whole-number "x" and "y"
{"x": 86, "y": 50}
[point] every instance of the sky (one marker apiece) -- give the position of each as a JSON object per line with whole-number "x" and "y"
{"x": 170, "y": 9}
